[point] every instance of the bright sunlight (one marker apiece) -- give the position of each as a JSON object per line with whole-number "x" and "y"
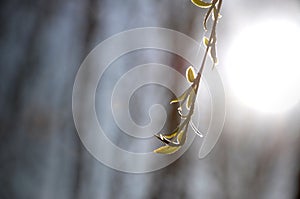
{"x": 263, "y": 65}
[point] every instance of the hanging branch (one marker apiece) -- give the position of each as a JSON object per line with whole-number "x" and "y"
{"x": 177, "y": 138}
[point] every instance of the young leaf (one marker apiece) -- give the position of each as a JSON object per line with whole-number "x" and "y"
{"x": 190, "y": 99}
{"x": 190, "y": 74}
{"x": 162, "y": 138}
{"x": 182, "y": 97}
{"x": 213, "y": 54}
{"x": 206, "y": 41}
{"x": 181, "y": 137}
{"x": 177, "y": 138}
{"x": 171, "y": 135}
{"x": 201, "y": 4}
{"x": 169, "y": 139}
{"x": 167, "y": 149}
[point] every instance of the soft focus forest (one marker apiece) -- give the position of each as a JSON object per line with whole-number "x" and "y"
{"x": 42, "y": 45}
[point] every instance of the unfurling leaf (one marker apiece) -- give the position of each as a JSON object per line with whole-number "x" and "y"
{"x": 213, "y": 54}
{"x": 206, "y": 41}
{"x": 174, "y": 101}
{"x": 190, "y": 74}
{"x": 182, "y": 97}
{"x": 176, "y": 139}
{"x": 201, "y": 4}
{"x": 163, "y": 139}
{"x": 190, "y": 99}
{"x": 171, "y": 135}
{"x": 181, "y": 137}
{"x": 167, "y": 149}
{"x": 179, "y": 99}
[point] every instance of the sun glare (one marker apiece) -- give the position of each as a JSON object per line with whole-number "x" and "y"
{"x": 263, "y": 65}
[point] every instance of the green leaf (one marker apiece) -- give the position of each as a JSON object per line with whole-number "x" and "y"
{"x": 201, "y": 4}
{"x": 171, "y": 135}
{"x": 179, "y": 99}
{"x": 167, "y": 149}
{"x": 190, "y": 99}
{"x": 182, "y": 97}
{"x": 168, "y": 138}
{"x": 213, "y": 54}
{"x": 163, "y": 138}
{"x": 181, "y": 137}
{"x": 190, "y": 74}
{"x": 206, "y": 41}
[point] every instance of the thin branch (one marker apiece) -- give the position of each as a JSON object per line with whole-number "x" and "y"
{"x": 177, "y": 138}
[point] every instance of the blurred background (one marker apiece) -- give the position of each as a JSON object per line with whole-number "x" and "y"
{"x": 42, "y": 46}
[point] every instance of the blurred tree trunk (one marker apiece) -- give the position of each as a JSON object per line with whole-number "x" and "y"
{"x": 42, "y": 44}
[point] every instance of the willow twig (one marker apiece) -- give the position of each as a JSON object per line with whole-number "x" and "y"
{"x": 176, "y": 139}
